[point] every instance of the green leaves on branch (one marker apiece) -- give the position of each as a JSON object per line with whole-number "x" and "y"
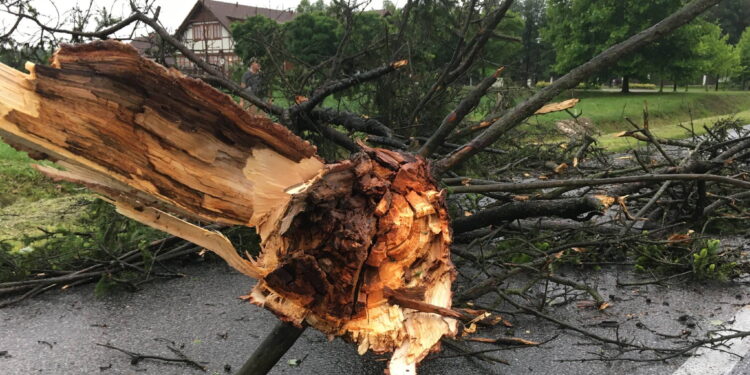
{"x": 580, "y": 29}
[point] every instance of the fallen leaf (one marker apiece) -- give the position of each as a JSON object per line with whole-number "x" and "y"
{"x": 561, "y": 168}
{"x": 605, "y": 200}
{"x": 680, "y": 238}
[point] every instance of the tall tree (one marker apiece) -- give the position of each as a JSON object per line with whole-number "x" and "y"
{"x": 743, "y": 49}
{"x": 580, "y": 29}
{"x": 253, "y": 36}
{"x": 305, "y": 6}
{"x": 733, "y": 16}
{"x": 720, "y": 58}
{"x": 537, "y": 56}
{"x": 677, "y": 57}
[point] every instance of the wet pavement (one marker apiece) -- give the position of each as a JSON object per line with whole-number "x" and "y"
{"x": 57, "y": 333}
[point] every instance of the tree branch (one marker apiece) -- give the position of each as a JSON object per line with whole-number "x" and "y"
{"x": 323, "y": 92}
{"x": 511, "y": 186}
{"x": 463, "y": 59}
{"x": 566, "y": 208}
{"x": 522, "y": 111}
{"x": 454, "y": 118}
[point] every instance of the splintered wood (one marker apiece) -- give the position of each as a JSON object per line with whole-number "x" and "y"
{"x": 338, "y": 240}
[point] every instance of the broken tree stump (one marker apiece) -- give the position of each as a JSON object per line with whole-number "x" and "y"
{"x": 167, "y": 149}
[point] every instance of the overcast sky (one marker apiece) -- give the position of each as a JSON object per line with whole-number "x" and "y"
{"x": 172, "y": 11}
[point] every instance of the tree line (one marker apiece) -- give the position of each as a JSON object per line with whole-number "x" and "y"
{"x": 538, "y": 40}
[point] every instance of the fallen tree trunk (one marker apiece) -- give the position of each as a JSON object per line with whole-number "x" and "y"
{"x": 166, "y": 149}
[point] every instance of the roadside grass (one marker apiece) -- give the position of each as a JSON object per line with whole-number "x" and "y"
{"x": 51, "y": 226}
{"x": 20, "y": 182}
{"x": 30, "y": 203}
{"x": 677, "y": 130}
{"x": 608, "y": 110}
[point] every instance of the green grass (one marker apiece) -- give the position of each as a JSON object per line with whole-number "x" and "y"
{"x": 29, "y": 201}
{"x": 20, "y": 182}
{"x": 677, "y": 130}
{"x": 608, "y": 110}
{"x": 45, "y": 225}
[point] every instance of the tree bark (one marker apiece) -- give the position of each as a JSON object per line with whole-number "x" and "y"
{"x": 569, "y": 208}
{"x": 625, "y": 85}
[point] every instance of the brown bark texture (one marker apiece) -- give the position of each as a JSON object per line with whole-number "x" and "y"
{"x": 337, "y": 239}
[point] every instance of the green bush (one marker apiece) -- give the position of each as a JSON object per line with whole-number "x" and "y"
{"x": 703, "y": 257}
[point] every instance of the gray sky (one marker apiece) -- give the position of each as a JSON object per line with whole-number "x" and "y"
{"x": 172, "y": 11}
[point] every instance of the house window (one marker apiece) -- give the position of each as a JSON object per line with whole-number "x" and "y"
{"x": 206, "y": 31}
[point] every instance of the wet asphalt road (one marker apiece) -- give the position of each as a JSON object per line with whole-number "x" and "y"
{"x": 57, "y": 333}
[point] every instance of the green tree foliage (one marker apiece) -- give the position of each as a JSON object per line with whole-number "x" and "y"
{"x": 720, "y": 58}
{"x": 733, "y": 16}
{"x": 743, "y": 50}
{"x": 580, "y": 29}
{"x": 305, "y": 6}
{"x": 311, "y": 37}
{"x": 677, "y": 57}
{"x": 362, "y": 40}
{"x": 536, "y": 55}
{"x": 367, "y": 29}
{"x": 253, "y": 36}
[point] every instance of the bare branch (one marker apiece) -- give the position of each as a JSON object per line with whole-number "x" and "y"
{"x": 566, "y": 208}
{"x": 463, "y": 58}
{"x": 323, "y": 92}
{"x": 512, "y": 186}
{"x": 454, "y": 118}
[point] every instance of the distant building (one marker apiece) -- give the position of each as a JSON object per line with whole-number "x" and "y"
{"x": 205, "y": 31}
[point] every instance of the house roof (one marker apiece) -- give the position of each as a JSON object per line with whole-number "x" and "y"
{"x": 144, "y": 43}
{"x": 227, "y": 13}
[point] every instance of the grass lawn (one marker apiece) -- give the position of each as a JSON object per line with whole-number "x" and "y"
{"x": 20, "y": 182}
{"x": 611, "y": 142}
{"x": 29, "y": 201}
{"x": 608, "y": 110}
